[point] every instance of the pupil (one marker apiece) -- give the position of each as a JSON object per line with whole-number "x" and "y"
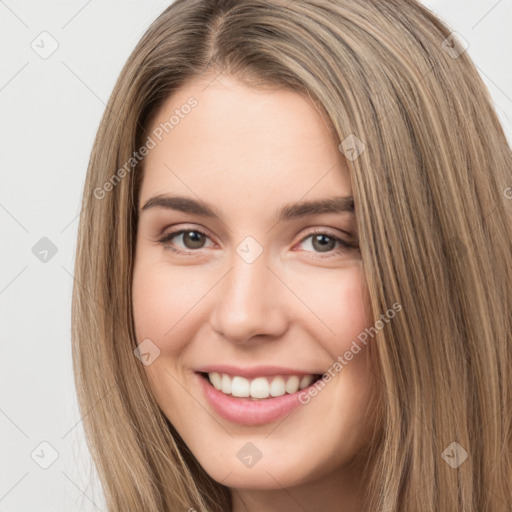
{"x": 196, "y": 239}
{"x": 324, "y": 247}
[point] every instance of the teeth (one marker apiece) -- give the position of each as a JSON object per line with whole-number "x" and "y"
{"x": 216, "y": 380}
{"x": 239, "y": 387}
{"x": 260, "y": 387}
{"x": 306, "y": 381}
{"x": 277, "y": 386}
{"x": 225, "y": 384}
{"x": 292, "y": 384}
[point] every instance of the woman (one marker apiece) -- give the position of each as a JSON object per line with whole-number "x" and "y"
{"x": 293, "y": 274}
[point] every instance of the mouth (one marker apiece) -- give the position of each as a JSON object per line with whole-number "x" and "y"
{"x": 252, "y": 402}
{"x": 260, "y": 387}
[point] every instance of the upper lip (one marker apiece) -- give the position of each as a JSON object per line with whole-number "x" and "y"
{"x": 255, "y": 371}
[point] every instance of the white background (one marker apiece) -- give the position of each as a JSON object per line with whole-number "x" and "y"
{"x": 50, "y": 110}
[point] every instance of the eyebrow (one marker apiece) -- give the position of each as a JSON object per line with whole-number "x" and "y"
{"x": 339, "y": 204}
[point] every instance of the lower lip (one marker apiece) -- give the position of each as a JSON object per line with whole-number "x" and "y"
{"x": 250, "y": 412}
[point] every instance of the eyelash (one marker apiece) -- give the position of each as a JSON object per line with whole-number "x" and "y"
{"x": 345, "y": 246}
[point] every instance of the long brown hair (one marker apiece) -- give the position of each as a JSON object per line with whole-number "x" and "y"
{"x": 435, "y": 227}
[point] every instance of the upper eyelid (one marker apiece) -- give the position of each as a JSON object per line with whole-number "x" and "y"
{"x": 178, "y": 231}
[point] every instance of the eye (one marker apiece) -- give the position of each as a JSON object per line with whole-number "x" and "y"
{"x": 193, "y": 240}
{"x": 322, "y": 241}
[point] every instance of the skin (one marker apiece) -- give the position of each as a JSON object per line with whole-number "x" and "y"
{"x": 248, "y": 152}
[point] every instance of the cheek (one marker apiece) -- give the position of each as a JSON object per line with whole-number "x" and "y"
{"x": 346, "y": 310}
{"x": 339, "y": 305}
{"x": 163, "y": 303}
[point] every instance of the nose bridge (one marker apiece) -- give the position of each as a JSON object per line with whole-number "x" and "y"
{"x": 247, "y": 301}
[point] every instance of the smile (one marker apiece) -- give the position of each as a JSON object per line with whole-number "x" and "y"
{"x": 254, "y": 401}
{"x": 260, "y": 388}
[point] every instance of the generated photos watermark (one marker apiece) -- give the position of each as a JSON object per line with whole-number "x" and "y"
{"x": 152, "y": 141}
{"x": 342, "y": 360}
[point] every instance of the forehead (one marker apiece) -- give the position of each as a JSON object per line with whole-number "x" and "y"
{"x": 223, "y": 137}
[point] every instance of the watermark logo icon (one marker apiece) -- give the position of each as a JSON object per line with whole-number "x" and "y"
{"x": 352, "y": 147}
{"x": 454, "y": 45}
{"x": 44, "y": 250}
{"x": 147, "y": 352}
{"x": 249, "y": 454}
{"x": 454, "y": 455}
{"x": 249, "y": 249}
{"x": 44, "y": 455}
{"x": 457, "y": 248}
{"x": 45, "y": 45}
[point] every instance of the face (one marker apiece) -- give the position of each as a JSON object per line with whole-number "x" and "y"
{"x": 236, "y": 282}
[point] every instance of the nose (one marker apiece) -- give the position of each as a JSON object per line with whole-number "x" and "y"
{"x": 249, "y": 302}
